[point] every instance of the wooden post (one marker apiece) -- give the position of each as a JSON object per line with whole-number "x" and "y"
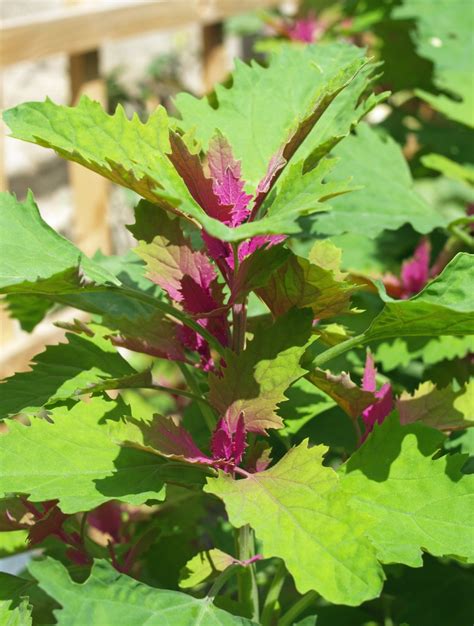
{"x": 214, "y": 57}
{"x": 90, "y": 191}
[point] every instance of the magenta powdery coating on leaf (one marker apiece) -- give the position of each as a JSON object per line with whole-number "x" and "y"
{"x": 377, "y": 412}
{"x": 227, "y": 445}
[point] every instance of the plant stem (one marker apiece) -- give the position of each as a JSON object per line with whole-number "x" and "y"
{"x": 269, "y": 608}
{"x": 207, "y": 412}
{"x": 297, "y": 608}
{"x": 337, "y": 350}
{"x": 247, "y": 577}
{"x": 221, "y": 580}
{"x": 462, "y": 235}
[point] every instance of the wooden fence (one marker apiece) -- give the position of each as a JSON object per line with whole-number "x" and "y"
{"x": 78, "y": 31}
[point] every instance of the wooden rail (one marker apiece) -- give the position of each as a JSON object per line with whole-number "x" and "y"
{"x": 79, "y": 31}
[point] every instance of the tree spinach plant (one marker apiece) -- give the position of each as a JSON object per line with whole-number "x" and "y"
{"x": 186, "y": 457}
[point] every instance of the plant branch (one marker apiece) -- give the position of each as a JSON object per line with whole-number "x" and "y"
{"x": 337, "y": 350}
{"x": 289, "y": 618}
{"x": 247, "y": 581}
{"x": 462, "y": 235}
{"x": 221, "y": 580}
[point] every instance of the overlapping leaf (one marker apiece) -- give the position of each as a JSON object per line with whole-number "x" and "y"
{"x": 444, "y": 36}
{"x": 204, "y": 565}
{"x": 316, "y": 283}
{"x": 443, "y": 408}
{"x": 416, "y": 501}
{"x": 254, "y": 381}
{"x": 444, "y": 307}
{"x": 351, "y": 398}
{"x": 60, "y": 372}
{"x": 297, "y": 514}
{"x": 108, "y": 597}
{"x": 71, "y": 457}
{"x": 387, "y": 199}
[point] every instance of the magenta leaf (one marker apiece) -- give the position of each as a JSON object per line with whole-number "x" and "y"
{"x": 415, "y": 272}
{"x": 378, "y": 411}
{"x": 227, "y": 444}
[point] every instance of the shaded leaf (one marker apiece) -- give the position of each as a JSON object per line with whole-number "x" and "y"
{"x": 204, "y": 565}
{"x": 350, "y": 397}
{"x": 108, "y": 597}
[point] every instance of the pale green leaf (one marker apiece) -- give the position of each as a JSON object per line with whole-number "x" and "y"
{"x": 204, "y": 565}
{"x": 18, "y": 616}
{"x": 74, "y": 460}
{"x": 418, "y": 502}
{"x": 297, "y": 514}
{"x": 448, "y": 167}
{"x": 108, "y": 597}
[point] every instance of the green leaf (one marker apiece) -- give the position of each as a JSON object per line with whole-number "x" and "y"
{"x": 108, "y": 597}
{"x": 75, "y": 460}
{"x": 60, "y": 372}
{"x": 448, "y": 167}
{"x": 316, "y": 75}
{"x": 316, "y": 283}
{"x": 351, "y": 398}
{"x": 19, "y": 616}
{"x": 387, "y": 200}
{"x": 304, "y": 403}
{"x": 444, "y": 36}
{"x": 444, "y": 307}
{"x": 297, "y": 514}
{"x": 254, "y": 381}
{"x": 12, "y": 542}
{"x": 416, "y": 500}
{"x": 401, "y": 351}
{"x": 204, "y": 565}
{"x": 442, "y": 408}
{"x": 34, "y": 252}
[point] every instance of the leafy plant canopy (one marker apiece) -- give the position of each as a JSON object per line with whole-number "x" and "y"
{"x": 262, "y": 415}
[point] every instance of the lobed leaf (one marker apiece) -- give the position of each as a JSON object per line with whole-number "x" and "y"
{"x": 108, "y": 597}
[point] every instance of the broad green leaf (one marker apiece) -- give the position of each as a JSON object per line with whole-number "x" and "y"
{"x": 18, "y": 616}
{"x": 316, "y": 75}
{"x": 34, "y": 252}
{"x": 108, "y": 597}
{"x": 297, "y": 514}
{"x": 254, "y": 382}
{"x": 444, "y": 307}
{"x": 316, "y": 283}
{"x": 12, "y": 542}
{"x": 416, "y": 500}
{"x": 60, "y": 372}
{"x": 401, "y": 351}
{"x": 204, "y": 565}
{"x": 442, "y": 408}
{"x": 351, "y": 398}
{"x": 304, "y": 403}
{"x": 387, "y": 200}
{"x": 448, "y": 167}
{"x": 71, "y": 457}
{"x": 444, "y": 36}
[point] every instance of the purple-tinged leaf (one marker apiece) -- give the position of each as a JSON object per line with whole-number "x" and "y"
{"x": 254, "y": 382}
{"x": 415, "y": 272}
{"x": 351, "y": 398}
{"x": 227, "y": 182}
{"x": 107, "y": 518}
{"x": 228, "y": 444}
{"x": 384, "y": 404}
{"x": 189, "y": 167}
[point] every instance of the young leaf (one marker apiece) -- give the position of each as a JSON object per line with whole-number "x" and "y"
{"x": 416, "y": 501}
{"x": 317, "y": 74}
{"x": 312, "y": 282}
{"x": 445, "y": 408}
{"x": 351, "y": 398}
{"x": 74, "y": 460}
{"x": 108, "y": 597}
{"x": 444, "y": 307}
{"x": 18, "y": 616}
{"x": 60, "y": 371}
{"x": 387, "y": 200}
{"x": 254, "y": 381}
{"x": 298, "y": 516}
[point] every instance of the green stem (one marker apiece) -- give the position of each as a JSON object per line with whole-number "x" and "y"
{"x": 207, "y": 412}
{"x": 462, "y": 235}
{"x": 297, "y": 608}
{"x": 221, "y": 580}
{"x": 247, "y": 576}
{"x": 269, "y": 608}
{"x": 337, "y": 350}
